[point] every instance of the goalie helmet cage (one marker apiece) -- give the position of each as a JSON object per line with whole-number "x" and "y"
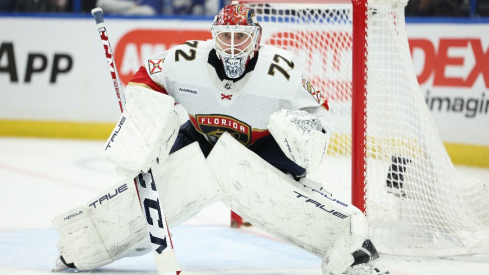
{"x": 385, "y": 144}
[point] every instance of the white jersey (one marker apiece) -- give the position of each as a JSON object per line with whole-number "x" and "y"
{"x": 240, "y": 107}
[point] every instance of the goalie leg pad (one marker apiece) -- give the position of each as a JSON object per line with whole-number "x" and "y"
{"x": 146, "y": 130}
{"x": 112, "y": 226}
{"x": 185, "y": 183}
{"x": 296, "y": 213}
{"x": 96, "y": 234}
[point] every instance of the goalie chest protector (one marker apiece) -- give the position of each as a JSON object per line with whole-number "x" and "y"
{"x": 243, "y": 110}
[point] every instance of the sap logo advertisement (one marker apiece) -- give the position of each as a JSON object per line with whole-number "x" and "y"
{"x": 64, "y": 76}
{"x": 37, "y": 63}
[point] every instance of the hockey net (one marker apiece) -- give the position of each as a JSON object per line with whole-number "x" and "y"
{"x": 415, "y": 201}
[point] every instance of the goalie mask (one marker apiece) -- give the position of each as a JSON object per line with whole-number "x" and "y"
{"x": 236, "y": 35}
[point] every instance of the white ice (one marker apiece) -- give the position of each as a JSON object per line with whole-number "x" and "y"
{"x": 41, "y": 178}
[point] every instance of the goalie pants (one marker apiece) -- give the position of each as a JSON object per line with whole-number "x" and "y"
{"x": 267, "y": 148}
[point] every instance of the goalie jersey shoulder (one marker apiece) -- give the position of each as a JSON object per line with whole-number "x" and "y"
{"x": 282, "y": 64}
{"x": 277, "y": 64}
{"x": 277, "y": 71}
{"x": 182, "y": 58}
{"x": 274, "y": 75}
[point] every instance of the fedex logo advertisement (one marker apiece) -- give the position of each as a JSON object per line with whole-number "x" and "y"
{"x": 451, "y": 63}
{"x": 466, "y": 58}
{"x": 458, "y": 64}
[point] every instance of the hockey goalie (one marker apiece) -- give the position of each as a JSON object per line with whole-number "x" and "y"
{"x": 256, "y": 129}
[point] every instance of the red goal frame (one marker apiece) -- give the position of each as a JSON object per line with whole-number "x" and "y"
{"x": 359, "y": 91}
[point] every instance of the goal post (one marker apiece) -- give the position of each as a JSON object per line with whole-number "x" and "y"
{"x": 359, "y": 93}
{"x": 386, "y": 154}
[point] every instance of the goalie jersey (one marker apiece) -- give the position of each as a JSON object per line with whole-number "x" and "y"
{"x": 191, "y": 74}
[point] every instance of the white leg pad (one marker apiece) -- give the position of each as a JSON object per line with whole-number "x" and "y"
{"x": 99, "y": 232}
{"x": 112, "y": 226}
{"x": 307, "y": 218}
{"x": 186, "y": 184}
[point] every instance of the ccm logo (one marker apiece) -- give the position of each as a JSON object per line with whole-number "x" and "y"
{"x": 148, "y": 194}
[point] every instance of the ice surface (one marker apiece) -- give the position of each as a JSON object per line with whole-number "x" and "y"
{"x": 41, "y": 178}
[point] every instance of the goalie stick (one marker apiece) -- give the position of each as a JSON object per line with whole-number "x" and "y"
{"x": 159, "y": 233}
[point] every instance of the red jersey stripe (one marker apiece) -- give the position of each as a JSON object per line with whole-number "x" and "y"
{"x": 141, "y": 78}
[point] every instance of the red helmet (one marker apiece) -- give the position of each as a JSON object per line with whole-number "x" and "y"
{"x": 236, "y": 35}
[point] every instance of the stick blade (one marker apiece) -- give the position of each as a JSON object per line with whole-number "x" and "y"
{"x": 166, "y": 262}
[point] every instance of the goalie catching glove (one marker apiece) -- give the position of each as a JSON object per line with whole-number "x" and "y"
{"x": 301, "y": 137}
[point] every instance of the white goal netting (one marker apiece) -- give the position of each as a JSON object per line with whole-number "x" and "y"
{"x": 416, "y": 203}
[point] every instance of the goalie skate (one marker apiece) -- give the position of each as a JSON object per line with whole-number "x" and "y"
{"x": 366, "y": 261}
{"x": 61, "y": 264}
